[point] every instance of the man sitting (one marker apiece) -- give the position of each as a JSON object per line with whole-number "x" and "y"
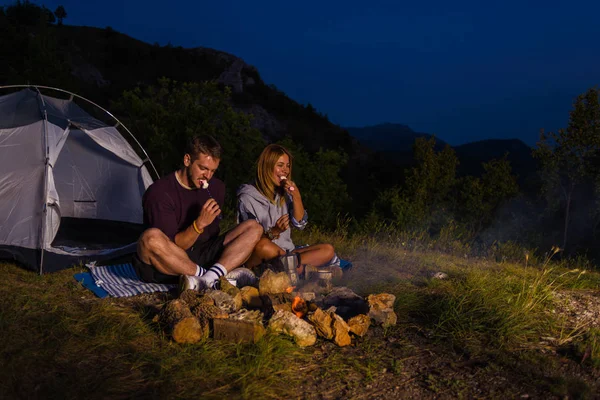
{"x": 182, "y": 212}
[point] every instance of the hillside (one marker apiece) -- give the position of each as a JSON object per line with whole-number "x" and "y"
{"x": 394, "y": 142}
{"x": 390, "y": 137}
{"x": 472, "y": 155}
{"x": 101, "y": 63}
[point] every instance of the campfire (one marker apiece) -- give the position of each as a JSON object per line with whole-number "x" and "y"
{"x": 310, "y": 309}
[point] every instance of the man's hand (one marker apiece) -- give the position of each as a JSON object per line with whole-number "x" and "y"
{"x": 281, "y": 225}
{"x": 209, "y": 212}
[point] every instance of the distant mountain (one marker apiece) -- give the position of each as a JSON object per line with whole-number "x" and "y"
{"x": 395, "y": 142}
{"x": 390, "y": 137}
{"x": 472, "y": 155}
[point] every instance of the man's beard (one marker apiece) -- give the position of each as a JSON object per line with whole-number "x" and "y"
{"x": 191, "y": 180}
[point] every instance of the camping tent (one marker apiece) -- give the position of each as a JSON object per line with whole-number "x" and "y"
{"x": 71, "y": 186}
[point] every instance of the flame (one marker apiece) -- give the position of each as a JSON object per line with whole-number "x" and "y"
{"x": 299, "y": 307}
{"x": 290, "y": 289}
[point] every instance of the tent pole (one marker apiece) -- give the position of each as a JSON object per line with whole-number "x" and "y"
{"x": 46, "y": 164}
{"x": 91, "y": 102}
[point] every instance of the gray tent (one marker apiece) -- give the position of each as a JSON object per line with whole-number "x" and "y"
{"x": 71, "y": 186}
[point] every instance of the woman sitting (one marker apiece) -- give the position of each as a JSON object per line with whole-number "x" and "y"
{"x": 274, "y": 201}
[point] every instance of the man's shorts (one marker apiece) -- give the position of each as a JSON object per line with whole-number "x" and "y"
{"x": 204, "y": 254}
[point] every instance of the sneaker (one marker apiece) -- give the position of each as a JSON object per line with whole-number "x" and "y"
{"x": 191, "y": 282}
{"x": 242, "y": 277}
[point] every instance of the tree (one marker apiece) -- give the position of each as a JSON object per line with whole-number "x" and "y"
{"x": 480, "y": 198}
{"x": 569, "y": 158}
{"x": 431, "y": 181}
{"x": 324, "y": 194}
{"x": 26, "y": 13}
{"x": 60, "y": 14}
{"x": 426, "y": 199}
{"x": 166, "y": 115}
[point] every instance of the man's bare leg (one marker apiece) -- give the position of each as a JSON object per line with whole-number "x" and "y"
{"x": 239, "y": 244}
{"x": 155, "y": 248}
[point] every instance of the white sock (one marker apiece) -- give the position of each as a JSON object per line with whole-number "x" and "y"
{"x": 199, "y": 270}
{"x": 214, "y": 273}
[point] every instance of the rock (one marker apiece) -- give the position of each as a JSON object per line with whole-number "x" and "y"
{"x": 348, "y": 304}
{"x": 273, "y": 283}
{"x": 340, "y": 331}
{"x": 381, "y": 301}
{"x": 359, "y": 325}
{"x": 322, "y": 322}
{"x": 224, "y": 301}
{"x": 381, "y": 309}
{"x": 250, "y": 297}
{"x": 385, "y": 318}
{"x": 304, "y": 334}
{"x": 439, "y": 275}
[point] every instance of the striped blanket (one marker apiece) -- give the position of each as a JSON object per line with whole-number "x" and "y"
{"x": 121, "y": 281}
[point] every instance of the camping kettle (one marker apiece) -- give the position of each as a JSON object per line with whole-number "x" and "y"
{"x": 290, "y": 263}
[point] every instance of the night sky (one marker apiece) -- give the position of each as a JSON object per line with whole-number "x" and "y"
{"x": 464, "y": 71}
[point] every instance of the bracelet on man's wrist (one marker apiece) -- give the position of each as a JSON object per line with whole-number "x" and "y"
{"x": 198, "y": 231}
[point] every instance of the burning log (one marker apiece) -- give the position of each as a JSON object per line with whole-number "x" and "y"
{"x": 275, "y": 302}
{"x": 299, "y": 307}
{"x": 178, "y": 321}
{"x": 304, "y": 334}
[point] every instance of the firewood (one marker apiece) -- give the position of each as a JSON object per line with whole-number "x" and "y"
{"x": 178, "y": 321}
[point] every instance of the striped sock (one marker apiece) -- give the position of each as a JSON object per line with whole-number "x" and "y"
{"x": 213, "y": 274}
{"x": 199, "y": 270}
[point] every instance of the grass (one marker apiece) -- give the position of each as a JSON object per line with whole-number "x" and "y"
{"x": 59, "y": 341}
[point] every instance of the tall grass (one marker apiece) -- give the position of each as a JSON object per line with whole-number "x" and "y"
{"x": 60, "y": 341}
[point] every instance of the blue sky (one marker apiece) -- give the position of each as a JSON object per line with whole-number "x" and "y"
{"x": 463, "y": 70}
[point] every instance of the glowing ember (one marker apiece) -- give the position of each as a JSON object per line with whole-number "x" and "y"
{"x": 299, "y": 307}
{"x": 290, "y": 289}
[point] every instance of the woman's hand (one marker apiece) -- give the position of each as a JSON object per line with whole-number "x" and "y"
{"x": 291, "y": 188}
{"x": 282, "y": 224}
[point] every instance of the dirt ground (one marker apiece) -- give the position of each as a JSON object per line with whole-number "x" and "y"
{"x": 406, "y": 361}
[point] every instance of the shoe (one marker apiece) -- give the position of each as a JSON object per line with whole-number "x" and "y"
{"x": 243, "y": 277}
{"x": 191, "y": 282}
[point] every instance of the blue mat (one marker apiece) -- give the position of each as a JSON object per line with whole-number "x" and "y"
{"x": 86, "y": 279}
{"x": 345, "y": 265}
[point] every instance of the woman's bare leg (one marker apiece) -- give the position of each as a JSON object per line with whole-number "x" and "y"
{"x": 317, "y": 254}
{"x": 264, "y": 250}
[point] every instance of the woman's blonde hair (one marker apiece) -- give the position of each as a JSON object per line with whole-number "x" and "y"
{"x": 264, "y": 171}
